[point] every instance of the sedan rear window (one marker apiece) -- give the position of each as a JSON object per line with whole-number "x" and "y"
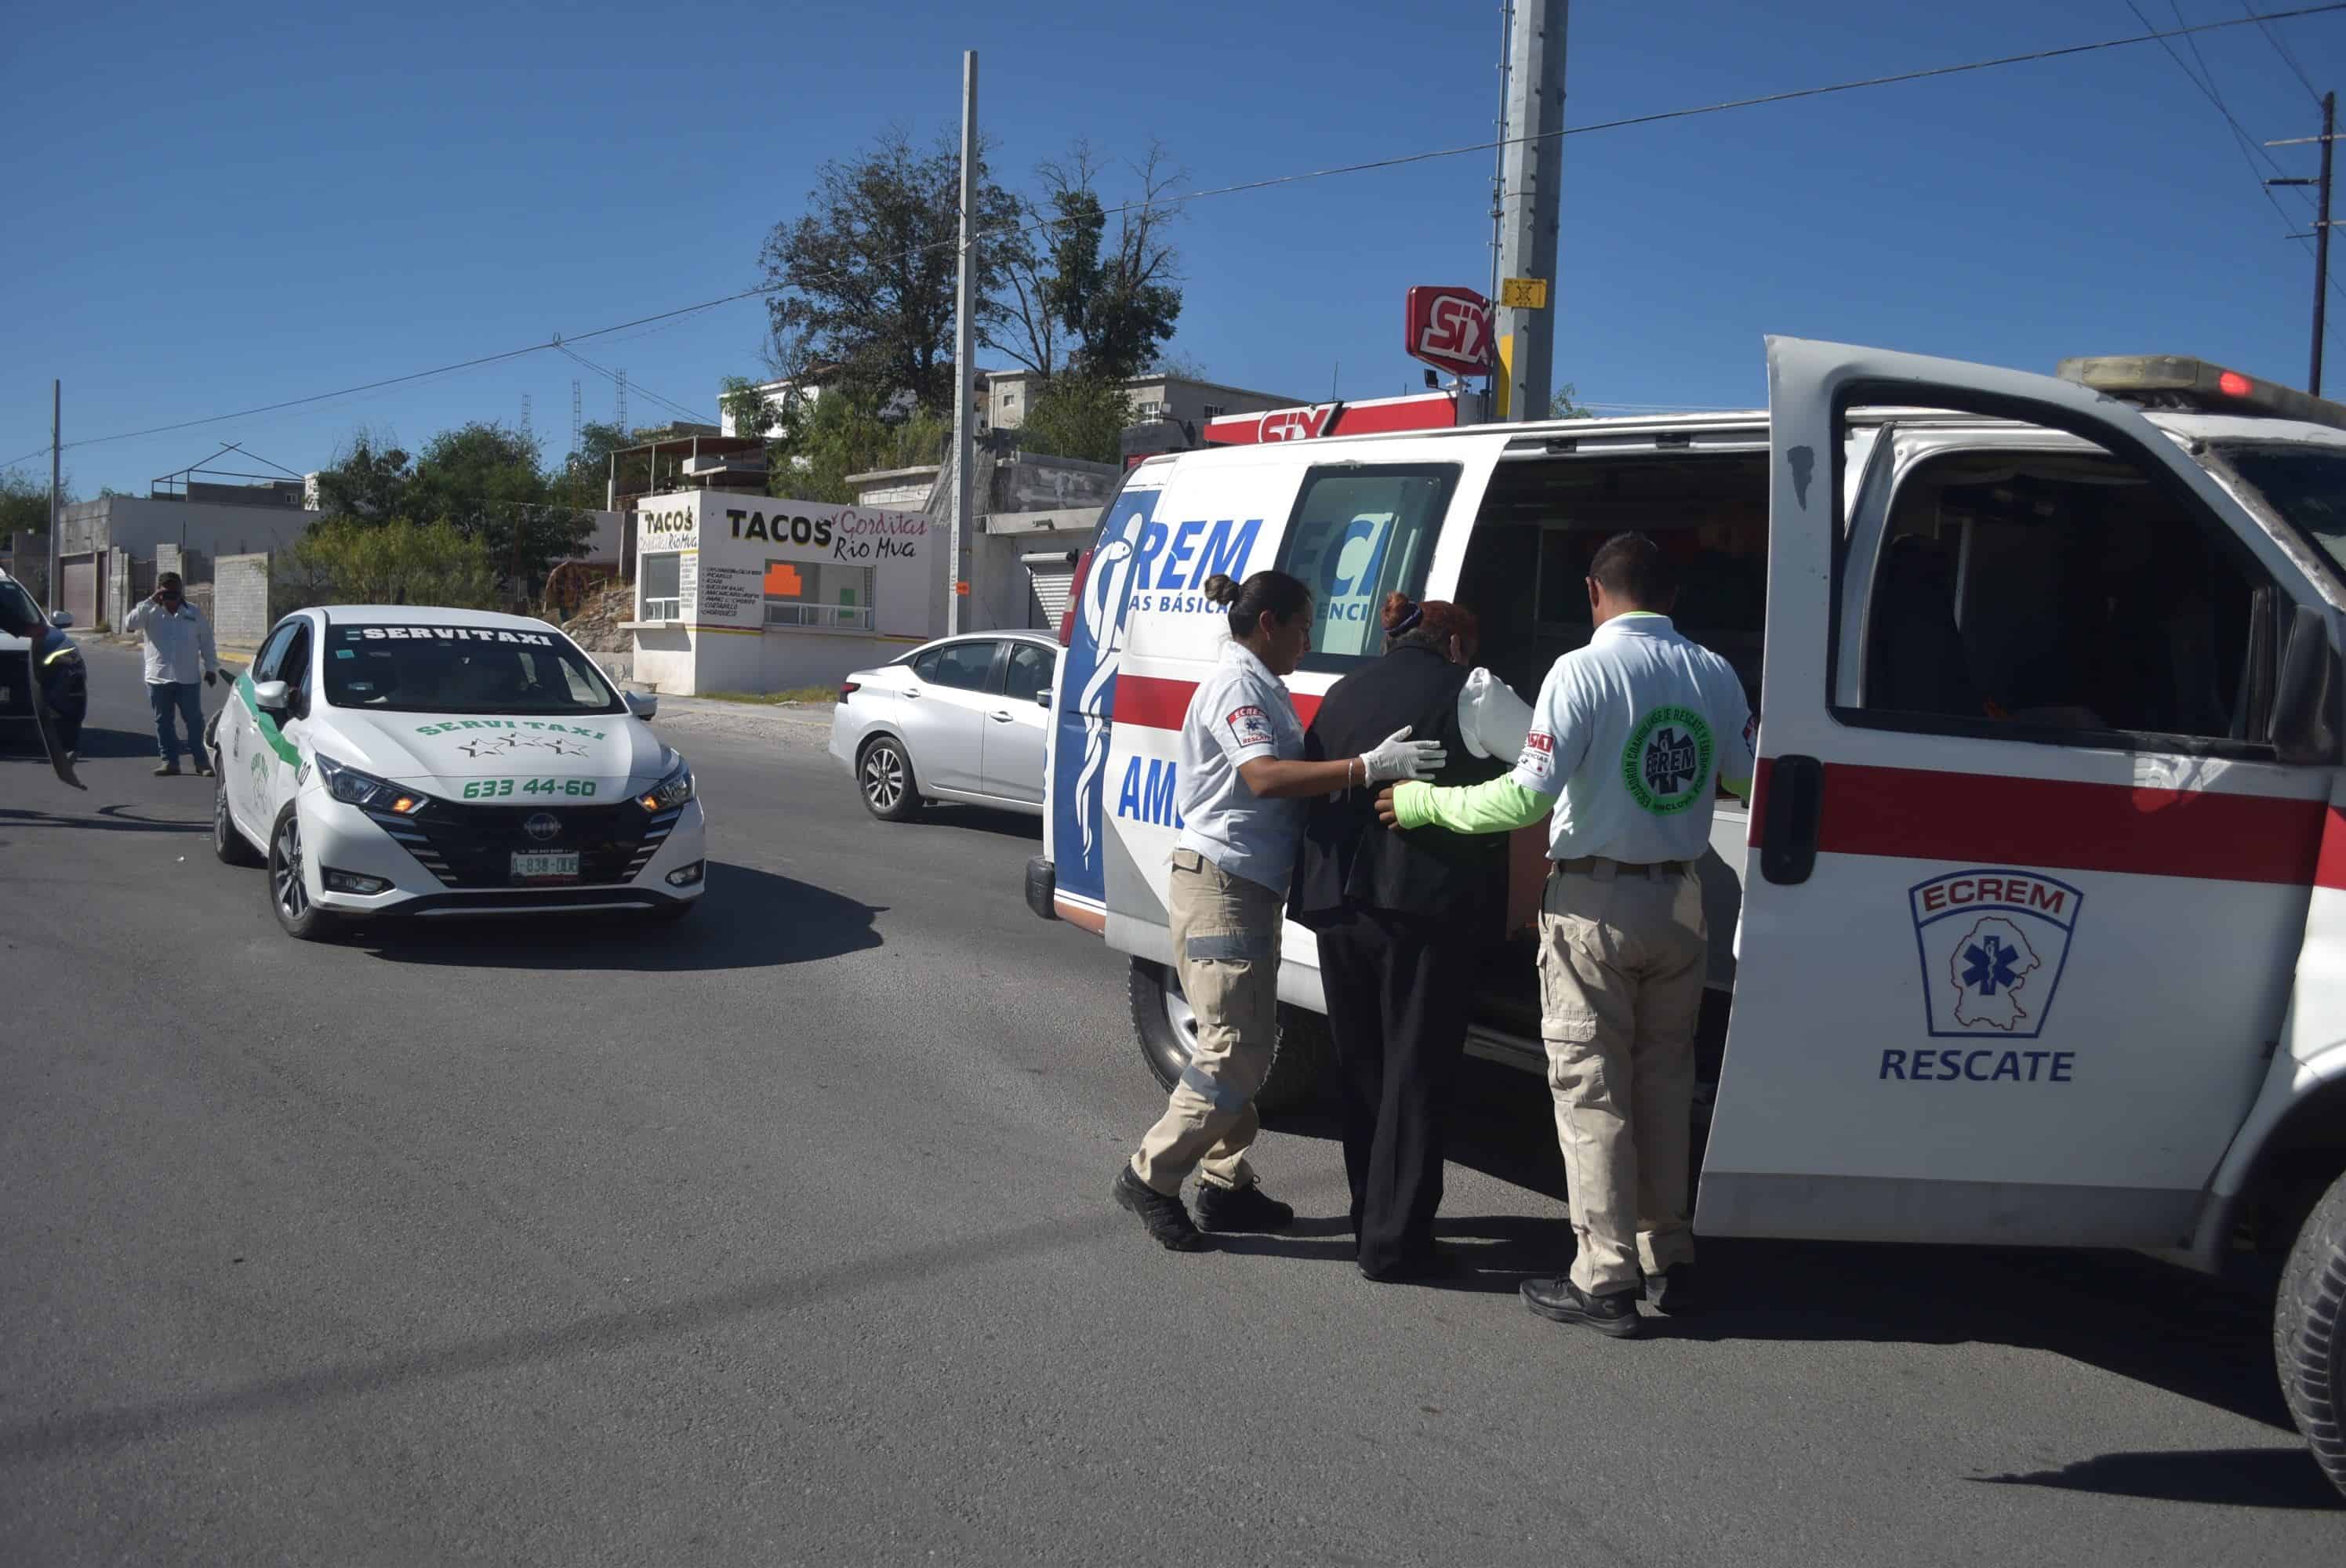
{"x": 462, "y": 669}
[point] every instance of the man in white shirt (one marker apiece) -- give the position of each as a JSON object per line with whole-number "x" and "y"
{"x": 180, "y": 662}
{"x": 1630, "y": 739}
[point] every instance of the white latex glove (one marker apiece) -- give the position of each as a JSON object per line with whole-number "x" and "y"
{"x": 1398, "y": 757}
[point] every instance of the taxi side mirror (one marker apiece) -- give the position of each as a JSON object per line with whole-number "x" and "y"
{"x": 272, "y": 696}
{"x": 2305, "y": 702}
{"x": 643, "y": 705}
{"x": 1042, "y": 699}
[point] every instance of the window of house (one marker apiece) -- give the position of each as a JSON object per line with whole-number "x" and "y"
{"x": 658, "y": 585}
{"x": 2063, "y": 598}
{"x": 1216, "y": 411}
{"x": 1358, "y": 534}
{"x": 818, "y": 594}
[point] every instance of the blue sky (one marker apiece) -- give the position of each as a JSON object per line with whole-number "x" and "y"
{"x": 219, "y": 207}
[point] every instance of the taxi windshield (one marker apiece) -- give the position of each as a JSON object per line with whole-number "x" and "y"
{"x": 2301, "y": 484}
{"x": 444, "y": 669}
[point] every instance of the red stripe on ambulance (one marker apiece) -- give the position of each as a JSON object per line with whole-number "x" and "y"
{"x": 1157, "y": 703}
{"x": 1917, "y": 814}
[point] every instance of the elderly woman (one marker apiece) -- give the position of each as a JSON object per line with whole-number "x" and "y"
{"x": 1401, "y": 918}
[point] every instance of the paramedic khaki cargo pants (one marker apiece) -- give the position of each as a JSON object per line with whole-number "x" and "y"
{"x": 1621, "y": 960}
{"x": 1225, "y": 945}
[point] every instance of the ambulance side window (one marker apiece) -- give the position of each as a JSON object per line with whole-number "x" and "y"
{"x": 2065, "y": 597}
{"x": 1357, "y": 534}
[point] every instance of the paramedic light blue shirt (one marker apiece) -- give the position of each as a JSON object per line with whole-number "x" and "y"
{"x": 1240, "y": 712}
{"x": 1634, "y": 730}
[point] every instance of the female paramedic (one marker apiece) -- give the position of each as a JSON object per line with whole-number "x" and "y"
{"x": 1402, "y": 918}
{"x": 1243, "y": 780}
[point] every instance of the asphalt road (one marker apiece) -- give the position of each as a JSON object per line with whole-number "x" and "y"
{"x": 784, "y": 1236}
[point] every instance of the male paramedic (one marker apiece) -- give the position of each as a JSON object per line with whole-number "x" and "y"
{"x": 1629, "y": 739}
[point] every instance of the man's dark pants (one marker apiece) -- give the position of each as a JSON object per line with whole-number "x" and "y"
{"x": 182, "y": 700}
{"x": 1397, "y": 991}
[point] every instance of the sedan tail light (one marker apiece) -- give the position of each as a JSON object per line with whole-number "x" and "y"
{"x": 848, "y": 689}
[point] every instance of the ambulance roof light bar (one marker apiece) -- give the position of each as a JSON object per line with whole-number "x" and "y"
{"x": 2179, "y": 382}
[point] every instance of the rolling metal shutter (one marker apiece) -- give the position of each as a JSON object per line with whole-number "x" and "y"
{"x": 1053, "y": 572}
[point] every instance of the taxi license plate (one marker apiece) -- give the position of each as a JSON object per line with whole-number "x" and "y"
{"x": 550, "y": 866}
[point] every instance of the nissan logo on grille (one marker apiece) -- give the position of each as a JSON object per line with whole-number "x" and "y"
{"x": 543, "y": 826}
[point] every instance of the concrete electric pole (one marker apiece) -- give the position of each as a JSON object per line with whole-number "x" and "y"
{"x": 1531, "y": 206}
{"x": 964, "y": 353}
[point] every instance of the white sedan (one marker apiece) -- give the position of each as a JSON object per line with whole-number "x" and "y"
{"x": 961, "y": 719}
{"x": 422, "y": 762}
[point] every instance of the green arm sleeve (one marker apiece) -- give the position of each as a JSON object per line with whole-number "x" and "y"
{"x": 1498, "y": 807}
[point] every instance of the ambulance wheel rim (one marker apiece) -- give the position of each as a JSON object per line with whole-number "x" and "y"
{"x": 883, "y": 776}
{"x": 1179, "y": 1015}
{"x": 292, "y": 897}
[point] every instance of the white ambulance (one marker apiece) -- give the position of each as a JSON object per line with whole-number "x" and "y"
{"x": 2035, "y": 930}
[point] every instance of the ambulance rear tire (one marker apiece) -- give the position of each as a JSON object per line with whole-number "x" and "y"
{"x": 883, "y": 776}
{"x": 1164, "y": 1026}
{"x": 2310, "y": 1332}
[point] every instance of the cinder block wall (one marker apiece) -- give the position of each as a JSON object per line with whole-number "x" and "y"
{"x": 241, "y": 600}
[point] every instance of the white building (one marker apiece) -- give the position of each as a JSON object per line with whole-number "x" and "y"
{"x": 745, "y": 593}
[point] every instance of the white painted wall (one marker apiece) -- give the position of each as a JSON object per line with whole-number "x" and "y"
{"x": 735, "y": 552}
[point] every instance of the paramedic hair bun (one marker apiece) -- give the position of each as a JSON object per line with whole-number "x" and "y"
{"x": 1220, "y": 590}
{"x": 1397, "y": 612}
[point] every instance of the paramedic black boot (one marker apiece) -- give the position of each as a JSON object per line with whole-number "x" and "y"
{"x": 1167, "y": 1221}
{"x": 1240, "y": 1208}
{"x": 1672, "y": 1291}
{"x": 1614, "y": 1313}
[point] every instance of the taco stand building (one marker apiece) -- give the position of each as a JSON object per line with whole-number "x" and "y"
{"x": 746, "y": 593}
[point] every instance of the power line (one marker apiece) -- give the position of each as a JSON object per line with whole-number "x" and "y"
{"x": 636, "y": 386}
{"x": 2151, "y": 35}
{"x": 2280, "y": 47}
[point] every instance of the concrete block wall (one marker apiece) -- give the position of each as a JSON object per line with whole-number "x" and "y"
{"x": 240, "y": 615}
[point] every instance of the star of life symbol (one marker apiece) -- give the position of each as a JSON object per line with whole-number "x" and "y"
{"x": 1667, "y": 760}
{"x": 507, "y": 743}
{"x": 1992, "y": 943}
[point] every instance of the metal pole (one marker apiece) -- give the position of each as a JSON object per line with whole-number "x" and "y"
{"x": 965, "y": 347}
{"x": 1533, "y": 205}
{"x": 52, "y": 590}
{"x": 2321, "y": 236}
{"x": 1499, "y": 154}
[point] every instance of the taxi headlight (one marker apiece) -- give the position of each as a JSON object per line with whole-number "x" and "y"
{"x": 670, "y": 793}
{"x": 354, "y": 788}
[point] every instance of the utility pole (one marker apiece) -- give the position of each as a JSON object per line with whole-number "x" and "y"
{"x": 1499, "y": 157}
{"x": 53, "y": 590}
{"x": 2328, "y": 139}
{"x": 1531, "y": 204}
{"x": 965, "y": 350}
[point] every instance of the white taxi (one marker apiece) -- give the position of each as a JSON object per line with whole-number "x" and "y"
{"x": 399, "y": 759}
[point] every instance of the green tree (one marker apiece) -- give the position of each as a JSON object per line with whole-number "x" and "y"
{"x": 396, "y": 561}
{"x": 819, "y": 440}
{"x": 367, "y": 480}
{"x": 1097, "y": 303}
{"x": 25, "y": 501}
{"x": 585, "y": 474}
{"x": 1077, "y": 415}
{"x": 864, "y": 280}
{"x": 1564, "y": 406}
